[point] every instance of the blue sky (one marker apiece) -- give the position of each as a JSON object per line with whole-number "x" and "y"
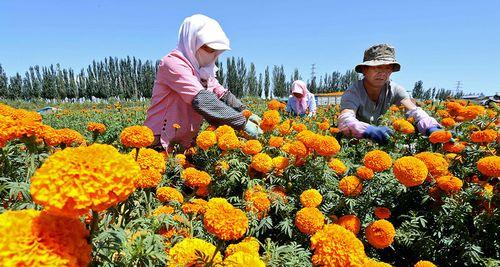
{"x": 438, "y": 42}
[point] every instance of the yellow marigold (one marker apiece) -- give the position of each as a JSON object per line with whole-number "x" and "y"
{"x": 206, "y": 139}
{"x": 224, "y": 220}
{"x": 275, "y": 141}
{"x": 195, "y": 178}
{"x": 309, "y": 220}
{"x": 436, "y": 163}
{"x": 285, "y": 128}
{"x": 440, "y": 136}
{"x": 351, "y": 186}
{"x": 150, "y": 159}
{"x": 443, "y": 113}
{"x": 228, "y": 141}
{"x": 71, "y": 137}
{"x": 280, "y": 163}
{"x": 448, "y": 122}
{"x": 326, "y": 145}
{"x": 34, "y": 238}
{"x": 337, "y": 166}
{"x": 194, "y": 206}
{"x": 248, "y": 245}
{"x": 298, "y": 149}
{"x": 489, "y": 166}
{"x": 148, "y": 178}
{"x": 52, "y": 137}
{"x": 311, "y": 198}
{"x": 96, "y": 127}
{"x": 252, "y": 190}
{"x": 163, "y": 210}
{"x": 137, "y": 136}
{"x": 307, "y": 137}
{"x": 259, "y": 202}
{"x": 380, "y": 234}
{"x": 274, "y": 105}
{"x": 192, "y": 252}
{"x": 336, "y": 246}
{"x": 70, "y": 182}
{"x": 364, "y": 173}
{"x": 486, "y": 136}
{"x": 471, "y": 112}
{"x": 166, "y": 194}
{"x": 424, "y": 264}
{"x": 222, "y": 130}
{"x": 403, "y": 126}
{"x": 449, "y": 184}
{"x": 410, "y": 171}
{"x": 299, "y": 127}
{"x": 455, "y": 147}
{"x": 350, "y": 222}
{"x": 243, "y": 259}
{"x": 181, "y": 159}
{"x": 377, "y": 160}
{"x": 270, "y": 119}
{"x": 252, "y": 147}
{"x": 382, "y": 212}
{"x": 262, "y": 163}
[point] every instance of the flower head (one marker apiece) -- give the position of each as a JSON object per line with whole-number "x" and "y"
{"x": 195, "y": 178}
{"x": 262, "y": 162}
{"x": 351, "y": 185}
{"x": 96, "y": 127}
{"x": 224, "y": 220}
{"x": 380, "y": 234}
{"x": 309, "y": 220}
{"x": 377, "y": 160}
{"x": 311, "y": 198}
{"x": 206, "y": 139}
{"x": 410, "y": 171}
{"x": 489, "y": 166}
{"x": 252, "y": 147}
{"x": 337, "y": 166}
{"x": 137, "y": 136}
{"x": 192, "y": 252}
{"x": 350, "y": 222}
{"x": 167, "y": 194}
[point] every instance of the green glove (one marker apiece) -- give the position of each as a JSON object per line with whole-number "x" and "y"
{"x": 252, "y": 129}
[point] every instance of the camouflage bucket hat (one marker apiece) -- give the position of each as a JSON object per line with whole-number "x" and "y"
{"x": 380, "y": 54}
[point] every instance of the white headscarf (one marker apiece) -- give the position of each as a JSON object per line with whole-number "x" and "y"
{"x": 196, "y": 31}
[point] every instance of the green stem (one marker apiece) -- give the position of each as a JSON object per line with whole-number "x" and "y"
{"x": 136, "y": 153}
{"x": 94, "y": 226}
{"x": 219, "y": 247}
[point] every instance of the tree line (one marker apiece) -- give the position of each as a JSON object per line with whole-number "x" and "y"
{"x": 432, "y": 93}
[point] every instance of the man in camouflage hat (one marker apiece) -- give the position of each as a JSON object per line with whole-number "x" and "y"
{"x": 366, "y": 100}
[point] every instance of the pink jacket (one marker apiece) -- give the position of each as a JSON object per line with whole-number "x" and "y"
{"x": 175, "y": 87}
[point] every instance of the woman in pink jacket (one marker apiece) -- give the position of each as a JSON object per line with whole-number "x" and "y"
{"x": 186, "y": 91}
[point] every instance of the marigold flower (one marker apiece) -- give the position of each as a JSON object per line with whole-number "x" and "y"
{"x": 307, "y": 137}
{"x": 243, "y": 259}
{"x": 181, "y": 159}
{"x": 375, "y": 263}
{"x": 260, "y": 203}
{"x": 364, "y": 173}
{"x": 148, "y": 178}
{"x": 270, "y": 119}
{"x": 448, "y": 122}
{"x": 336, "y": 246}
{"x": 424, "y": 264}
{"x": 403, "y": 126}
{"x": 311, "y": 198}
{"x": 252, "y": 147}
{"x": 410, "y": 171}
{"x": 224, "y": 221}
{"x": 248, "y": 245}
{"x": 382, "y": 212}
{"x": 486, "y": 136}
{"x": 70, "y": 182}
{"x": 298, "y": 149}
{"x": 195, "y": 178}
{"x": 380, "y": 234}
{"x": 150, "y": 159}
{"x": 53, "y": 137}
{"x": 440, "y": 136}
{"x": 325, "y": 125}
{"x": 274, "y": 104}
{"x": 377, "y": 160}
{"x": 489, "y": 166}
{"x": 137, "y": 136}
{"x": 275, "y": 141}
{"x": 471, "y": 112}
{"x": 176, "y": 126}
{"x": 280, "y": 163}
{"x": 449, "y": 184}
{"x": 228, "y": 141}
{"x": 166, "y": 210}
{"x": 309, "y": 220}
{"x": 71, "y": 137}
{"x": 337, "y": 166}
{"x": 167, "y": 194}
{"x": 351, "y": 186}
{"x": 436, "y": 163}
{"x": 206, "y": 139}
{"x": 222, "y": 130}
{"x": 194, "y": 206}
{"x": 262, "y": 163}
{"x": 37, "y": 238}
{"x": 299, "y": 127}
{"x": 253, "y": 190}
{"x": 285, "y": 128}
{"x": 326, "y": 145}
{"x": 192, "y": 252}
{"x": 96, "y": 127}
{"x": 455, "y": 147}
{"x": 246, "y": 113}
{"x": 350, "y": 222}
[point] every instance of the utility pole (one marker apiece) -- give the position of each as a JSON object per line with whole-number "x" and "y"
{"x": 313, "y": 71}
{"x": 459, "y": 83}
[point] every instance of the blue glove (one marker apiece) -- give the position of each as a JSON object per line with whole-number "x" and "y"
{"x": 432, "y": 129}
{"x": 379, "y": 134}
{"x": 252, "y": 129}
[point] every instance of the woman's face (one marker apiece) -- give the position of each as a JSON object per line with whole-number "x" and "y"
{"x": 298, "y": 95}
{"x": 377, "y": 75}
{"x": 206, "y": 55}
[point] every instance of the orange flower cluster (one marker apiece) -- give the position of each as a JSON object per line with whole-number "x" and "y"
{"x": 275, "y": 105}
{"x": 285, "y": 128}
{"x": 307, "y": 137}
{"x": 167, "y": 194}
{"x": 326, "y": 145}
{"x": 380, "y": 234}
{"x": 489, "y": 166}
{"x": 471, "y": 112}
{"x": 194, "y": 206}
{"x": 455, "y": 147}
{"x": 165, "y": 210}
{"x": 280, "y": 163}
{"x": 34, "y": 238}
{"x": 449, "y": 184}
{"x": 258, "y": 202}
{"x": 436, "y": 163}
{"x": 486, "y": 136}
{"x": 403, "y": 126}
{"x": 224, "y": 221}
{"x": 137, "y": 136}
{"x": 262, "y": 162}
{"x": 448, "y": 122}
{"x": 252, "y": 147}
{"x": 206, "y": 139}
{"x": 70, "y": 182}
{"x": 299, "y": 127}
{"x": 336, "y": 246}
{"x": 351, "y": 186}
{"x": 350, "y": 222}
{"x": 226, "y": 138}
{"x": 440, "y": 136}
{"x": 382, "y": 212}
{"x": 365, "y": 173}
{"x": 298, "y": 149}
{"x": 248, "y": 245}
{"x": 275, "y": 141}
{"x": 195, "y": 178}
{"x": 424, "y": 264}
{"x": 193, "y": 252}
{"x": 246, "y": 113}
{"x": 309, "y": 220}
{"x": 270, "y": 119}
{"x": 96, "y": 127}
{"x": 152, "y": 164}
{"x": 311, "y": 198}
{"x": 241, "y": 258}
{"x": 377, "y": 160}
{"x": 410, "y": 171}
{"x": 337, "y": 166}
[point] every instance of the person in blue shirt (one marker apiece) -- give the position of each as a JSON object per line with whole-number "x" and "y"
{"x": 301, "y": 101}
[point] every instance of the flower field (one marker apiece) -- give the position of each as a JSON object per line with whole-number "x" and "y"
{"x": 80, "y": 187}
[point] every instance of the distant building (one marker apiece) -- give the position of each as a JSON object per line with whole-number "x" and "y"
{"x": 328, "y": 98}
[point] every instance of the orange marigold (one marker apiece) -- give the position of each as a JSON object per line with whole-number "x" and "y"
{"x": 440, "y": 136}
{"x": 448, "y": 122}
{"x": 96, "y": 182}
{"x": 38, "y": 238}
{"x": 382, "y": 212}
{"x": 195, "y": 178}
{"x": 489, "y": 166}
{"x": 299, "y": 127}
{"x": 137, "y": 136}
{"x": 224, "y": 221}
{"x": 96, "y": 127}
{"x": 194, "y": 206}
{"x": 436, "y": 163}
{"x": 228, "y": 141}
{"x": 167, "y": 194}
{"x": 181, "y": 159}
{"x": 351, "y": 185}
{"x": 311, "y": 198}
{"x": 380, "y": 234}
{"x": 364, "y": 173}
{"x": 298, "y": 149}
{"x": 262, "y": 163}
{"x": 377, "y": 160}
{"x": 270, "y": 119}
{"x": 410, "y": 171}
{"x": 275, "y": 141}
{"x": 252, "y": 147}
{"x": 326, "y": 145}
{"x": 424, "y": 264}
{"x": 246, "y": 113}
{"x": 206, "y": 139}
{"x": 193, "y": 252}
{"x": 307, "y": 137}
{"x": 471, "y": 112}
{"x": 455, "y": 147}
{"x": 150, "y": 159}
{"x": 403, "y": 126}
{"x": 280, "y": 163}
{"x": 274, "y": 105}
{"x": 71, "y": 137}
{"x": 163, "y": 210}
{"x": 222, "y": 130}
{"x": 285, "y": 128}
{"x": 337, "y": 166}
{"x": 486, "y": 136}
{"x": 260, "y": 203}
{"x": 449, "y": 184}
{"x": 309, "y": 220}
{"x": 148, "y": 178}
{"x": 243, "y": 259}
{"x": 350, "y": 222}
